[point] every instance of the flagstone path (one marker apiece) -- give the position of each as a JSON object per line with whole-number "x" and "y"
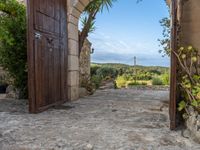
{"x": 125, "y": 119}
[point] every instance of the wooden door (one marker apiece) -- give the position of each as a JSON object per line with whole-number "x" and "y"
{"x": 173, "y": 80}
{"x": 47, "y": 53}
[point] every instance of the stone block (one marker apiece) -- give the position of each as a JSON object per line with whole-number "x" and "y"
{"x": 72, "y": 31}
{"x": 73, "y": 63}
{"x": 73, "y": 78}
{"x": 73, "y": 93}
{"x": 73, "y": 47}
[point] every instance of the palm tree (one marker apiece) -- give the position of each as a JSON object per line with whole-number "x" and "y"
{"x": 88, "y": 21}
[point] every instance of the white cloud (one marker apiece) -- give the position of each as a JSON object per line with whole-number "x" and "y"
{"x": 111, "y": 49}
{"x": 107, "y": 43}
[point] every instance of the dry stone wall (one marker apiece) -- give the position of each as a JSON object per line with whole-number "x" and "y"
{"x": 84, "y": 62}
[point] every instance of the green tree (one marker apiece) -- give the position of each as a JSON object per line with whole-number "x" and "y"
{"x": 165, "y": 41}
{"x": 13, "y": 56}
{"x": 104, "y": 72}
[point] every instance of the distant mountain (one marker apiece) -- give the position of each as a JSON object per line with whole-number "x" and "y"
{"x": 142, "y": 59}
{"x": 118, "y": 65}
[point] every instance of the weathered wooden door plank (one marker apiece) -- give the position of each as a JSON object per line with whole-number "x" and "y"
{"x": 47, "y": 53}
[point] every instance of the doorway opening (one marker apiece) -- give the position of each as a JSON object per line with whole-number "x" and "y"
{"x": 112, "y": 53}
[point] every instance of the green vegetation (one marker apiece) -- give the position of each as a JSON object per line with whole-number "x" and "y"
{"x": 157, "y": 81}
{"x": 124, "y": 75}
{"x": 133, "y": 83}
{"x": 107, "y": 72}
{"x": 165, "y": 40}
{"x": 189, "y": 79}
{"x": 96, "y": 80}
{"x": 121, "y": 82}
{"x": 13, "y": 55}
{"x": 165, "y": 79}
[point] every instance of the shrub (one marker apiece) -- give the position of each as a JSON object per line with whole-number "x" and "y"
{"x": 88, "y": 85}
{"x": 157, "y": 81}
{"x": 3, "y": 80}
{"x": 144, "y": 76}
{"x": 128, "y": 77}
{"x": 115, "y": 84}
{"x": 143, "y": 83}
{"x": 96, "y": 80}
{"x": 155, "y": 72}
{"x": 136, "y": 83}
{"x": 94, "y": 69}
{"x": 165, "y": 79}
{"x": 104, "y": 72}
{"x": 13, "y": 55}
{"x": 121, "y": 82}
{"x": 91, "y": 84}
{"x": 132, "y": 83}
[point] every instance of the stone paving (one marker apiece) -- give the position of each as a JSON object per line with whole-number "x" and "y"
{"x": 110, "y": 119}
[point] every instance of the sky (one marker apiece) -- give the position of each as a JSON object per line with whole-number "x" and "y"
{"x": 127, "y": 30}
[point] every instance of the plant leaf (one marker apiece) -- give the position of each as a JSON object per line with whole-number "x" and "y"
{"x": 182, "y": 105}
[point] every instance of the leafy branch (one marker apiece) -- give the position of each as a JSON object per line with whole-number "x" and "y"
{"x": 188, "y": 60}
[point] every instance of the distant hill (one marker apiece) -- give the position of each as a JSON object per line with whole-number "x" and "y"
{"x": 125, "y": 66}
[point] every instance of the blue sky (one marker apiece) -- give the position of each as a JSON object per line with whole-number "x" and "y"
{"x": 127, "y": 30}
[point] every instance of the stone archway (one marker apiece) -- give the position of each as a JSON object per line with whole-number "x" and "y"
{"x": 75, "y": 8}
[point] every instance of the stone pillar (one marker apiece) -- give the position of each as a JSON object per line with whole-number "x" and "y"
{"x": 85, "y": 61}
{"x": 75, "y": 8}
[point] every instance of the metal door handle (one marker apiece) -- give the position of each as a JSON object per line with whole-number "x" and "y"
{"x": 38, "y": 35}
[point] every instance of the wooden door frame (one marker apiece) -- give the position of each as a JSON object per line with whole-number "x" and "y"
{"x": 30, "y": 57}
{"x": 31, "y": 61}
{"x": 174, "y": 64}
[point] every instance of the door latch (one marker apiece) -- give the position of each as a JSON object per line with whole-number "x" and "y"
{"x": 38, "y": 35}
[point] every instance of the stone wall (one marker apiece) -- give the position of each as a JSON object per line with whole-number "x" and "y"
{"x": 85, "y": 61}
{"x": 190, "y": 23}
{"x": 193, "y": 125}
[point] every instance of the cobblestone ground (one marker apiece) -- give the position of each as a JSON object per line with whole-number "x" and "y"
{"x": 108, "y": 120}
